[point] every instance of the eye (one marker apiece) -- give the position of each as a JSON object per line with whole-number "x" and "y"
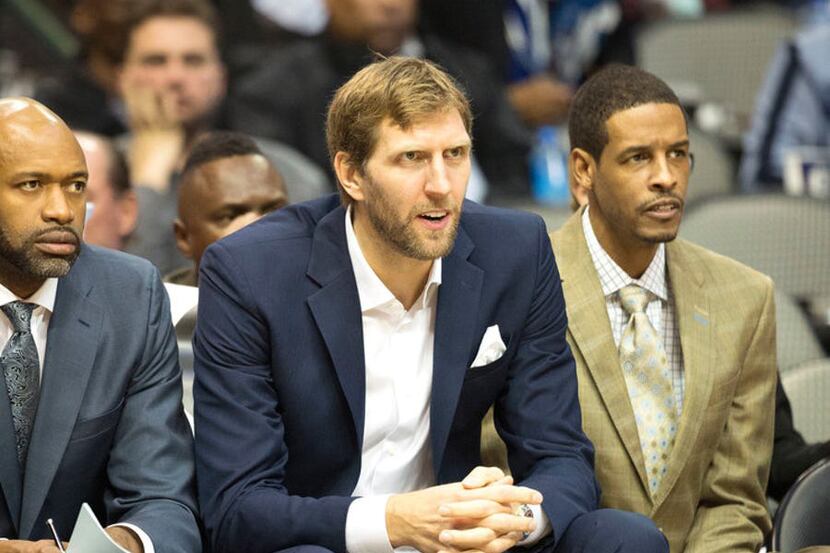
{"x": 638, "y": 157}
{"x": 678, "y": 154}
{"x": 30, "y": 185}
{"x": 78, "y": 186}
{"x": 456, "y": 153}
{"x": 410, "y": 156}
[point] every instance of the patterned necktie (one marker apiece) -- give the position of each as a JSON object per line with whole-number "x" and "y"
{"x": 649, "y": 382}
{"x": 22, "y": 371}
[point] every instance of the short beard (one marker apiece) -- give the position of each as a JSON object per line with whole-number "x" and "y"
{"x": 402, "y": 236}
{"x": 32, "y": 263}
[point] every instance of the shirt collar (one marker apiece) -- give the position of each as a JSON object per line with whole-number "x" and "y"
{"x": 612, "y": 277}
{"x": 43, "y": 297}
{"x": 372, "y": 292}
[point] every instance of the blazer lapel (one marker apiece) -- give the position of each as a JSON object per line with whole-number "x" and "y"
{"x": 72, "y": 342}
{"x": 692, "y": 314}
{"x": 591, "y": 332}
{"x": 458, "y": 299}
{"x": 9, "y": 466}
{"x": 336, "y": 310}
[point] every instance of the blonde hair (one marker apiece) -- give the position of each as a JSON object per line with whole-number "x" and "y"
{"x": 401, "y": 89}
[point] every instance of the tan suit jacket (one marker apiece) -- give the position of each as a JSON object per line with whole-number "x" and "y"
{"x": 712, "y": 498}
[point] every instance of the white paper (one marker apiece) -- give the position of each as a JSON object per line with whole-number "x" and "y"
{"x": 89, "y": 537}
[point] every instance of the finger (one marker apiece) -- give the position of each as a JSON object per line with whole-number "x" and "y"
{"x": 482, "y": 476}
{"x": 476, "y": 508}
{"x": 505, "y": 494}
{"x": 503, "y": 543}
{"x": 473, "y": 538}
{"x": 169, "y": 109}
{"x": 505, "y": 523}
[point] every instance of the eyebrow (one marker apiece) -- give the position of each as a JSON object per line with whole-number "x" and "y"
{"x": 42, "y": 176}
{"x": 644, "y": 148}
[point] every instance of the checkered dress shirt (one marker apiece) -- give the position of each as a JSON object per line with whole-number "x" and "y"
{"x": 660, "y": 309}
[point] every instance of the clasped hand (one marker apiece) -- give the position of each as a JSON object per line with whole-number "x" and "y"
{"x": 477, "y": 514}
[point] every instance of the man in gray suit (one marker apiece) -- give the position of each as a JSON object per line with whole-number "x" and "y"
{"x": 90, "y": 406}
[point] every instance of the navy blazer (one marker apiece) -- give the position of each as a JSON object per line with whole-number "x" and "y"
{"x": 110, "y": 428}
{"x": 280, "y": 384}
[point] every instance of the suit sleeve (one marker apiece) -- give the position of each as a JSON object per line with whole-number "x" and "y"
{"x": 732, "y": 514}
{"x": 538, "y": 416}
{"x": 241, "y": 453}
{"x": 150, "y": 468}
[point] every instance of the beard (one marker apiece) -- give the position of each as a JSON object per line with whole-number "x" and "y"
{"x": 402, "y": 234}
{"x": 28, "y": 260}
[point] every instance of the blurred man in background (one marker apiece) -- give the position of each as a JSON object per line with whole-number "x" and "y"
{"x": 112, "y": 207}
{"x": 226, "y": 184}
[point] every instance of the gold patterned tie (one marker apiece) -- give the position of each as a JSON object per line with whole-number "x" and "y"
{"x": 647, "y": 375}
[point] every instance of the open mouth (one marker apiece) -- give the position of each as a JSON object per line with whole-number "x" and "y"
{"x": 434, "y": 219}
{"x": 665, "y": 209}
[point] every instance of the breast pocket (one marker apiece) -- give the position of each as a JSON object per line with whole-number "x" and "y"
{"x": 99, "y": 424}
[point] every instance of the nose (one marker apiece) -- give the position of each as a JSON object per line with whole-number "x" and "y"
{"x": 438, "y": 179}
{"x": 174, "y": 73}
{"x": 663, "y": 176}
{"x": 57, "y": 207}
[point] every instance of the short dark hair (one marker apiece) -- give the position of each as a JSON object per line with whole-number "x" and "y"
{"x": 201, "y": 10}
{"x": 614, "y": 88}
{"x": 219, "y": 145}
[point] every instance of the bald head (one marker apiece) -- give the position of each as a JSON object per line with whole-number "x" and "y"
{"x": 42, "y": 194}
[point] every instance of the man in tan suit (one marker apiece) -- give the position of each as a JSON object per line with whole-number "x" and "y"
{"x": 674, "y": 344}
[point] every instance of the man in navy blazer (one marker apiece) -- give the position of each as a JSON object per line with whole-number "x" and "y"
{"x": 347, "y": 351}
{"x": 90, "y": 407}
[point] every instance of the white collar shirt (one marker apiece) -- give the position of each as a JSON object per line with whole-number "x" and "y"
{"x": 660, "y": 310}
{"x": 44, "y": 299}
{"x": 396, "y": 454}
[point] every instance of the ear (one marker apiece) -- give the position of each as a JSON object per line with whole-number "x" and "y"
{"x": 582, "y": 168}
{"x": 182, "y": 238}
{"x": 128, "y": 207}
{"x": 349, "y": 176}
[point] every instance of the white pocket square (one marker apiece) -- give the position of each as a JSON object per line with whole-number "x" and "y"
{"x": 492, "y": 347}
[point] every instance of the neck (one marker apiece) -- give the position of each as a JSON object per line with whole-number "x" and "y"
{"x": 630, "y": 253}
{"x": 404, "y": 276}
{"x": 20, "y": 284}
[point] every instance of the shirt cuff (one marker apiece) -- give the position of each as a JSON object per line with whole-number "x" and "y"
{"x": 366, "y": 526}
{"x": 543, "y": 527}
{"x": 146, "y": 542}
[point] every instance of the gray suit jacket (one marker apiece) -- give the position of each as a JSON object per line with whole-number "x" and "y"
{"x": 110, "y": 429}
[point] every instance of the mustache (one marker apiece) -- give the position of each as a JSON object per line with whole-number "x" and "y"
{"x": 75, "y": 235}
{"x": 644, "y": 206}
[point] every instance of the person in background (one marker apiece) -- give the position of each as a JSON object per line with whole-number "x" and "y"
{"x": 227, "y": 183}
{"x": 792, "y": 110}
{"x": 173, "y": 82}
{"x": 112, "y": 207}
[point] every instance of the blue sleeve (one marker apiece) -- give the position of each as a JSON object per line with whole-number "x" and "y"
{"x": 538, "y": 416}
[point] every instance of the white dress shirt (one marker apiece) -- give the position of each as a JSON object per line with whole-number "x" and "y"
{"x": 44, "y": 298}
{"x": 660, "y": 308}
{"x": 396, "y": 455}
